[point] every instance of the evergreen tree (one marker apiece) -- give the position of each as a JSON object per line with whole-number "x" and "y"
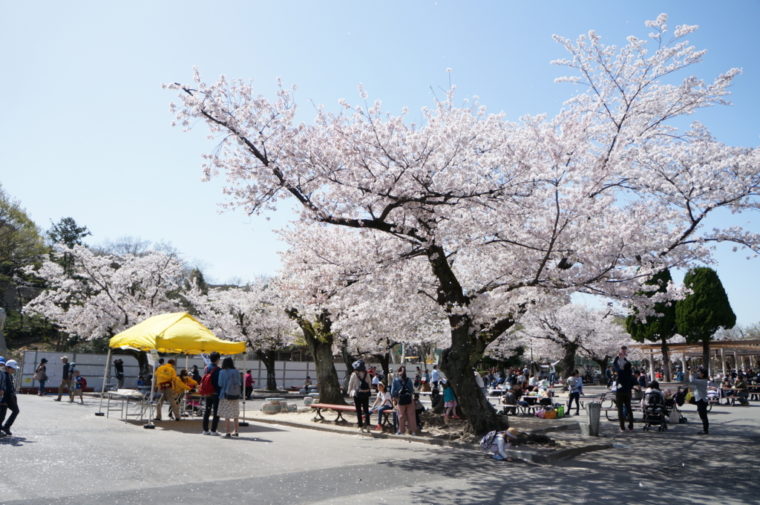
{"x": 659, "y": 327}
{"x": 705, "y": 310}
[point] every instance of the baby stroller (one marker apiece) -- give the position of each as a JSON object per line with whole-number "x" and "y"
{"x": 655, "y": 412}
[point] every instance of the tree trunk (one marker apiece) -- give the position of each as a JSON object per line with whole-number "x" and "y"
{"x": 706, "y": 355}
{"x": 457, "y": 362}
{"x": 568, "y": 360}
{"x": 385, "y": 364}
{"x": 3, "y": 346}
{"x": 603, "y": 363}
{"x": 665, "y": 360}
{"x": 319, "y": 338}
{"x": 268, "y": 357}
{"x": 140, "y": 356}
{"x": 348, "y": 360}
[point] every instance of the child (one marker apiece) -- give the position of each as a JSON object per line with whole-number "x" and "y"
{"x": 418, "y": 410}
{"x": 79, "y": 384}
{"x": 382, "y": 403}
{"x": 449, "y": 403}
{"x": 496, "y": 443}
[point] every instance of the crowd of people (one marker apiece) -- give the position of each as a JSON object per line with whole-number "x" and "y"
{"x": 222, "y": 386}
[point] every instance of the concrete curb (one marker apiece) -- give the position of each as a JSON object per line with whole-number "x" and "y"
{"x": 544, "y": 457}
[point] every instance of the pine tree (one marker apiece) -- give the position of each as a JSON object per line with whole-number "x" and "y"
{"x": 705, "y": 310}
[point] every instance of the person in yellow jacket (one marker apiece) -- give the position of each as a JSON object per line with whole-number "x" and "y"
{"x": 182, "y": 384}
{"x": 166, "y": 378}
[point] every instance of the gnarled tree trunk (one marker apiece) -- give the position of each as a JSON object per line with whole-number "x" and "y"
{"x": 457, "y": 363}
{"x": 385, "y": 364}
{"x": 268, "y": 358}
{"x": 568, "y": 359}
{"x": 319, "y": 338}
{"x": 348, "y": 360}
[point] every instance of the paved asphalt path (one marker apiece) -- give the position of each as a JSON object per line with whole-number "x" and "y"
{"x": 62, "y": 453}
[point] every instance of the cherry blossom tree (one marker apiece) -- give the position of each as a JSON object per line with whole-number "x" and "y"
{"x": 254, "y": 313}
{"x": 593, "y": 199}
{"x": 99, "y": 295}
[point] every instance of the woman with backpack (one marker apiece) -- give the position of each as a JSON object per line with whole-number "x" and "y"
{"x": 359, "y": 388}
{"x": 229, "y": 396}
{"x": 401, "y": 392}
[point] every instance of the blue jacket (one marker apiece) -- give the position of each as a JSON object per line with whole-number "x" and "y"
{"x": 229, "y": 382}
{"x": 7, "y": 385}
{"x": 398, "y": 385}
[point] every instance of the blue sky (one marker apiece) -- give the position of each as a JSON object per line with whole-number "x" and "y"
{"x": 85, "y": 130}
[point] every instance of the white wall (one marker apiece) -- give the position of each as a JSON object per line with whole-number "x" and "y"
{"x": 287, "y": 373}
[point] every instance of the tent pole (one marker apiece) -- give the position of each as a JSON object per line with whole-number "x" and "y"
{"x": 103, "y": 386}
{"x": 242, "y": 386}
{"x": 150, "y": 424}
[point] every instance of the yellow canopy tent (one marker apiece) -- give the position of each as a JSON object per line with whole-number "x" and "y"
{"x": 177, "y": 332}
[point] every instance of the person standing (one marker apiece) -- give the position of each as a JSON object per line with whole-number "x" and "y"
{"x": 8, "y": 397}
{"x": 359, "y": 390}
{"x": 229, "y": 397}
{"x": 449, "y": 403}
{"x": 78, "y": 383}
{"x": 699, "y": 385}
{"x": 212, "y": 400}
{"x": 575, "y": 390}
{"x": 166, "y": 378}
{"x": 401, "y": 392}
{"x": 40, "y": 375}
{"x": 118, "y": 366}
{"x": 624, "y": 371}
{"x": 248, "y": 381}
{"x": 65, "y": 378}
{"x": 435, "y": 377}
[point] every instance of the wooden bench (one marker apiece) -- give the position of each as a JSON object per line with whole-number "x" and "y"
{"x": 339, "y": 409}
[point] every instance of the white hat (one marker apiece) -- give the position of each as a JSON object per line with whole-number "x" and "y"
{"x": 11, "y": 363}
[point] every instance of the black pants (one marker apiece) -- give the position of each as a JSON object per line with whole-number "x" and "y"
{"x": 212, "y": 402}
{"x": 577, "y": 397}
{"x": 248, "y": 391}
{"x": 623, "y": 399}
{"x": 702, "y": 411}
{"x": 361, "y": 402}
{"x": 12, "y": 405}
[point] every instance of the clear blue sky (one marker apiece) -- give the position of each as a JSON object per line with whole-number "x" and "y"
{"x": 85, "y": 129}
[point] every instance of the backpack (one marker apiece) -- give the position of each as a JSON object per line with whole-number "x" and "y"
{"x": 207, "y": 383}
{"x": 82, "y": 382}
{"x": 404, "y": 396}
{"x": 488, "y": 440}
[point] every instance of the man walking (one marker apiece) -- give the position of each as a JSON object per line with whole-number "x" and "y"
{"x": 624, "y": 371}
{"x": 8, "y": 397}
{"x": 65, "y": 379}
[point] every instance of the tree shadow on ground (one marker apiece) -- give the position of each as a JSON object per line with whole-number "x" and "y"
{"x": 676, "y": 466}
